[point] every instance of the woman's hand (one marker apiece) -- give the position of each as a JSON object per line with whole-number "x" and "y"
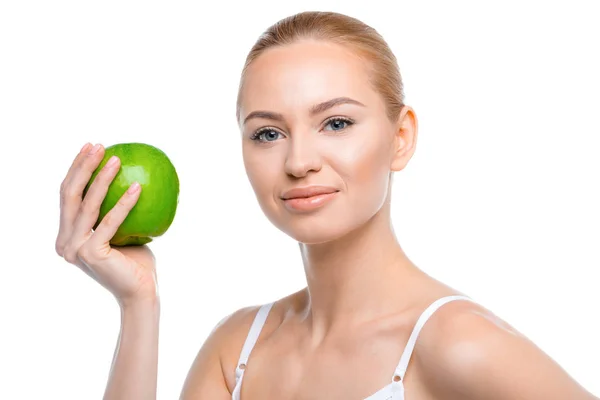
{"x": 127, "y": 272}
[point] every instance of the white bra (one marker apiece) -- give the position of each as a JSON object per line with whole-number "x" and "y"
{"x": 393, "y": 391}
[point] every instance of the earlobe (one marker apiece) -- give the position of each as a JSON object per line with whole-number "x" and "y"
{"x": 405, "y": 139}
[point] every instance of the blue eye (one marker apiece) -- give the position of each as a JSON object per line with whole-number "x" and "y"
{"x": 265, "y": 135}
{"x": 337, "y": 124}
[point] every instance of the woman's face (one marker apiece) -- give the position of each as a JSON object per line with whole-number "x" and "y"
{"x": 311, "y": 121}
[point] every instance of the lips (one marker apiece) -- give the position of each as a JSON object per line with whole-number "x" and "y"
{"x": 307, "y": 192}
{"x": 308, "y": 199}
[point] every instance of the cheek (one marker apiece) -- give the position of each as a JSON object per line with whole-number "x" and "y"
{"x": 262, "y": 166}
{"x": 363, "y": 163}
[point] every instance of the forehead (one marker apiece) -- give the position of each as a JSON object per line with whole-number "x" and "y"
{"x": 299, "y": 75}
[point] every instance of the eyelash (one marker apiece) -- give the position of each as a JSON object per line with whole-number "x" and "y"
{"x": 256, "y": 135}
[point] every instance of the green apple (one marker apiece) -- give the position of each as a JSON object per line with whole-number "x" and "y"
{"x": 155, "y": 209}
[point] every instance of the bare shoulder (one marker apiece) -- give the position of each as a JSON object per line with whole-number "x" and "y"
{"x": 207, "y": 377}
{"x": 212, "y": 374}
{"x": 467, "y": 352}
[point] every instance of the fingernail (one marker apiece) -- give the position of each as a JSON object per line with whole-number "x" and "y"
{"x": 84, "y": 148}
{"x": 112, "y": 161}
{"x": 133, "y": 188}
{"x": 95, "y": 149}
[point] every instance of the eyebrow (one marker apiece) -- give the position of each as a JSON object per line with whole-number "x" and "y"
{"x": 316, "y": 109}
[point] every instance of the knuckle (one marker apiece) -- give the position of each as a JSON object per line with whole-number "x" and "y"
{"x": 91, "y": 162}
{"x": 70, "y": 255}
{"x": 59, "y": 248}
{"x": 88, "y": 205}
{"x": 109, "y": 218}
{"x": 64, "y": 186}
{"x": 70, "y": 193}
{"x": 123, "y": 203}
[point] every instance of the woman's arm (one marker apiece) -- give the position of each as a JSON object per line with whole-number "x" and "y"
{"x": 472, "y": 354}
{"x": 133, "y": 372}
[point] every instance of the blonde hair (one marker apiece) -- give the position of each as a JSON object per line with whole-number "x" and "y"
{"x": 341, "y": 29}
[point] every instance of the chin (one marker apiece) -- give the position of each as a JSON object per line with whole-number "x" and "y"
{"x": 314, "y": 236}
{"x": 317, "y": 228}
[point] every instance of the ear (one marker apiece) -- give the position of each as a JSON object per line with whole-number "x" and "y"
{"x": 405, "y": 138}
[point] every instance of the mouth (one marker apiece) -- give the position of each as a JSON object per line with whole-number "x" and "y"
{"x": 308, "y": 198}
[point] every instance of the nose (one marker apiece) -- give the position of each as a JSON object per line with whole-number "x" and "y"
{"x": 302, "y": 156}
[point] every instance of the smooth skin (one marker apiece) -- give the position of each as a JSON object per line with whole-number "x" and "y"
{"x": 342, "y": 336}
{"x": 128, "y": 272}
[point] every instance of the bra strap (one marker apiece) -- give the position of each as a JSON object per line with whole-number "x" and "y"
{"x": 253, "y": 334}
{"x": 408, "y": 350}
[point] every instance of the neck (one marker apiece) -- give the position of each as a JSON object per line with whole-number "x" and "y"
{"x": 357, "y": 277}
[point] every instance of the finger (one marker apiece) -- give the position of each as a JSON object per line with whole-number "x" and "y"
{"x": 68, "y": 201}
{"x": 74, "y": 165}
{"x": 115, "y": 217}
{"x": 77, "y": 160}
{"x": 90, "y": 206}
{"x": 72, "y": 193}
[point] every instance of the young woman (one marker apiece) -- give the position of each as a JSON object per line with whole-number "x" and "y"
{"x": 323, "y": 128}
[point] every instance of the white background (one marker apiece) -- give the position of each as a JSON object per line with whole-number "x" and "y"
{"x": 500, "y": 200}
